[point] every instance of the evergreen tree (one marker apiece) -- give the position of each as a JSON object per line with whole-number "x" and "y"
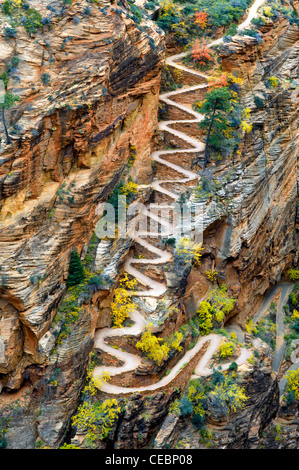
{"x": 76, "y": 272}
{"x": 215, "y": 107}
{"x": 8, "y": 99}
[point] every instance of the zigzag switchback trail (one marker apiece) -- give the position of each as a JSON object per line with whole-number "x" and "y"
{"x": 130, "y": 362}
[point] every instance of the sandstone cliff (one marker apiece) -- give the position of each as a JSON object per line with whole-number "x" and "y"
{"x": 88, "y": 84}
{"x": 72, "y": 135}
{"x": 250, "y": 233}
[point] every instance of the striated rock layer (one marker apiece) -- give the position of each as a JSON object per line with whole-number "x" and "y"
{"x": 70, "y": 147}
{"x": 71, "y": 142}
{"x": 250, "y": 236}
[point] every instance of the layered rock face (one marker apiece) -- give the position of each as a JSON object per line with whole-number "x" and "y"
{"x": 251, "y": 235}
{"x": 88, "y": 88}
{"x": 241, "y": 430}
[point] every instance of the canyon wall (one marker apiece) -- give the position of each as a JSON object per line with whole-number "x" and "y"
{"x": 72, "y": 135}
{"x": 250, "y": 235}
{"x": 89, "y": 89}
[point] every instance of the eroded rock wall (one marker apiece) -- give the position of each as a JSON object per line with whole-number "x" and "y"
{"x": 251, "y": 236}
{"x": 71, "y": 142}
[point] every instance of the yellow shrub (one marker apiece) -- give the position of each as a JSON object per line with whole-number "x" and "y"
{"x": 295, "y": 315}
{"x": 153, "y": 347}
{"x": 274, "y": 82}
{"x": 293, "y": 274}
{"x": 226, "y": 349}
{"x": 230, "y": 396}
{"x": 293, "y": 382}
{"x": 205, "y": 316}
{"x": 250, "y": 328}
{"x": 122, "y": 305}
{"x": 187, "y": 251}
{"x": 246, "y": 127}
{"x": 196, "y": 396}
{"x": 130, "y": 188}
{"x": 97, "y": 419}
{"x": 175, "y": 344}
{"x": 216, "y": 306}
{"x": 221, "y": 300}
{"x": 268, "y": 12}
{"x": 211, "y": 275}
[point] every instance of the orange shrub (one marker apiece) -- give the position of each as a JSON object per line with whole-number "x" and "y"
{"x": 201, "y": 53}
{"x": 201, "y": 19}
{"x": 220, "y": 81}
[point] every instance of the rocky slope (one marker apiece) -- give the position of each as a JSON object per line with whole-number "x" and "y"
{"x": 250, "y": 235}
{"x": 241, "y": 430}
{"x": 72, "y": 134}
{"x": 249, "y": 238}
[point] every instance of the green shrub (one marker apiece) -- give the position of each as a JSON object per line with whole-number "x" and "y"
{"x": 293, "y": 298}
{"x": 293, "y": 274}
{"x": 186, "y": 407}
{"x": 9, "y": 33}
{"x": 226, "y": 349}
{"x": 232, "y": 30}
{"x": 266, "y": 331}
{"x": 45, "y": 78}
{"x": 76, "y": 271}
{"x": 252, "y": 33}
{"x": 260, "y": 21}
{"x": 259, "y": 102}
{"x": 6, "y": 8}
{"x": 32, "y": 21}
{"x": 4, "y": 423}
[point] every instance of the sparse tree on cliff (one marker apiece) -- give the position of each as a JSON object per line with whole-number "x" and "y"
{"x": 224, "y": 119}
{"x": 7, "y": 99}
{"x": 214, "y": 107}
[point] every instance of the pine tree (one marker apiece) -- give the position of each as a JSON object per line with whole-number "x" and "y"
{"x": 76, "y": 272}
{"x": 216, "y": 105}
{"x": 7, "y": 99}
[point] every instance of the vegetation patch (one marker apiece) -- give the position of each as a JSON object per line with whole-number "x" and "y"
{"x": 291, "y": 320}
{"x": 79, "y": 281}
{"x": 20, "y": 13}
{"x": 265, "y": 329}
{"x": 212, "y": 311}
{"x": 94, "y": 418}
{"x": 226, "y": 349}
{"x": 122, "y": 304}
{"x": 225, "y": 121}
{"x": 159, "y": 349}
{"x": 221, "y": 391}
{"x": 186, "y": 21}
{"x": 291, "y": 393}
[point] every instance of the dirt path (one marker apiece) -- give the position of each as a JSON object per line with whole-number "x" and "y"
{"x": 279, "y": 293}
